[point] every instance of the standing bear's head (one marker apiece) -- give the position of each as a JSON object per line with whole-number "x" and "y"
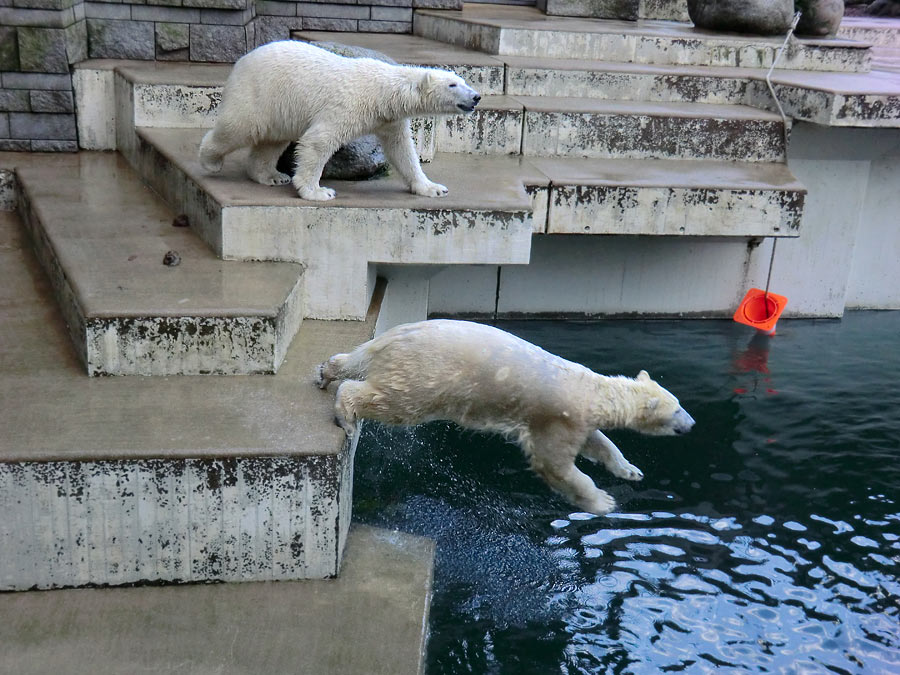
{"x": 446, "y": 92}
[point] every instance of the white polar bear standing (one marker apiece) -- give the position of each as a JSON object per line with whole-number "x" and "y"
{"x": 292, "y": 91}
{"x": 485, "y": 378}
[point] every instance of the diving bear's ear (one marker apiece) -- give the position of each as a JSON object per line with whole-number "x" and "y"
{"x": 643, "y": 376}
{"x": 653, "y": 404}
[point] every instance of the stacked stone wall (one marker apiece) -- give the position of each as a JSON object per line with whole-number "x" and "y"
{"x": 41, "y": 39}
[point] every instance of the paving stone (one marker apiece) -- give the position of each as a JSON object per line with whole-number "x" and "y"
{"x": 54, "y": 146}
{"x": 36, "y": 81}
{"x": 171, "y": 14}
{"x": 107, "y": 10}
{"x": 43, "y": 50}
{"x": 52, "y": 102}
{"x": 14, "y": 100}
{"x": 172, "y": 36}
{"x": 340, "y": 25}
{"x": 272, "y": 28}
{"x": 4, "y": 125}
{"x": 109, "y": 39}
{"x": 221, "y": 44}
{"x": 42, "y": 126}
{"x": 9, "y": 49}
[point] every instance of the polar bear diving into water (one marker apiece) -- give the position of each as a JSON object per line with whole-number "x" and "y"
{"x": 292, "y": 91}
{"x": 487, "y": 379}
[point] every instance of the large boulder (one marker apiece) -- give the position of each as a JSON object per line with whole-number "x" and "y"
{"x": 759, "y": 17}
{"x": 360, "y": 159}
{"x": 884, "y": 8}
{"x": 819, "y": 17}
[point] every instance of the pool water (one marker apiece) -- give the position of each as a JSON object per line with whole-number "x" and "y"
{"x": 766, "y": 540}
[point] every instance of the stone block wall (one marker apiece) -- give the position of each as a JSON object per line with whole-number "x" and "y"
{"x": 41, "y": 39}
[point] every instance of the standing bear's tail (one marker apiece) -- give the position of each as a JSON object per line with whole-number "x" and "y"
{"x": 210, "y": 158}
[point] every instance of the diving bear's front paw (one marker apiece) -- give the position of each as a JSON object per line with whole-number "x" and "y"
{"x": 430, "y": 189}
{"x": 627, "y": 470}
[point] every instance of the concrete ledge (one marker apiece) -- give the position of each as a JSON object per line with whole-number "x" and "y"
{"x": 525, "y": 31}
{"x": 486, "y": 219}
{"x": 370, "y": 621}
{"x": 128, "y": 313}
{"x": 125, "y": 480}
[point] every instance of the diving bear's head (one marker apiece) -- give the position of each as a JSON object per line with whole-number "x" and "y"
{"x": 660, "y": 413}
{"x": 448, "y": 92}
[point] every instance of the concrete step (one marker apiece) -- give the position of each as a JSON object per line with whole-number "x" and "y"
{"x": 597, "y": 128}
{"x": 102, "y": 237}
{"x": 121, "y": 480}
{"x": 480, "y": 70}
{"x": 322, "y": 627}
{"x": 873, "y": 30}
{"x": 626, "y": 10}
{"x": 486, "y": 218}
{"x": 525, "y": 31}
{"x": 829, "y": 98}
{"x": 671, "y": 197}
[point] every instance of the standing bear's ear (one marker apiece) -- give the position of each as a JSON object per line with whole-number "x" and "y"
{"x": 643, "y": 376}
{"x": 428, "y": 81}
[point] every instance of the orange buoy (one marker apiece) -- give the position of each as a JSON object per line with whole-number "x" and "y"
{"x": 760, "y": 310}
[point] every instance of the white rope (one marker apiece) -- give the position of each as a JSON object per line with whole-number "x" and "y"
{"x": 784, "y": 125}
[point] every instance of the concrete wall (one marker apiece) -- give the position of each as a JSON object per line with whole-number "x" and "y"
{"x": 846, "y": 256}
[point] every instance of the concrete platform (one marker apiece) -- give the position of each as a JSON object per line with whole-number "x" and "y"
{"x": 113, "y": 481}
{"x": 486, "y": 219}
{"x": 370, "y": 621}
{"x": 525, "y": 31}
{"x": 102, "y": 236}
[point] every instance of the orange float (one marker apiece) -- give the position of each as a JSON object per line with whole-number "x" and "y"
{"x": 761, "y": 310}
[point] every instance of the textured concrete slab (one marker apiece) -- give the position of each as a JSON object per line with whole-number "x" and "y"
{"x": 670, "y": 197}
{"x": 525, "y": 31}
{"x": 103, "y": 235}
{"x": 121, "y": 480}
{"x": 596, "y": 128}
{"x": 486, "y": 219}
{"x": 480, "y": 70}
{"x": 370, "y": 621}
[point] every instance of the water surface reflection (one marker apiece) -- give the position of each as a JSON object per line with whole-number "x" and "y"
{"x": 767, "y": 539}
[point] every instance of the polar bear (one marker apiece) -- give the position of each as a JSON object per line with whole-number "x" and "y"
{"x": 484, "y": 378}
{"x": 288, "y": 90}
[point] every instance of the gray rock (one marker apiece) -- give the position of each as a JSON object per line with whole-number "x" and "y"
{"x": 884, "y": 8}
{"x": 819, "y": 17}
{"x": 120, "y": 39}
{"x": 760, "y": 17}
{"x": 360, "y": 159}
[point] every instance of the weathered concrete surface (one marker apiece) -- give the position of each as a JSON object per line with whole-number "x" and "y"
{"x": 102, "y": 236}
{"x": 370, "y": 621}
{"x": 525, "y": 31}
{"x": 481, "y": 71}
{"x": 669, "y": 197}
{"x": 369, "y": 222}
{"x": 118, "y": 480}
{"x": 595, "y": 128}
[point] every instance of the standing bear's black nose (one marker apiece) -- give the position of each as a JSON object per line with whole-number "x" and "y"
{"x": 476, "y": 98}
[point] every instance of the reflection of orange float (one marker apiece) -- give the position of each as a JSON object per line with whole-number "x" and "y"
{"x": 760, "y": 310}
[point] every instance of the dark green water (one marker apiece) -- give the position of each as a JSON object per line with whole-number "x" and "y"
{"x": 766, "y": 540}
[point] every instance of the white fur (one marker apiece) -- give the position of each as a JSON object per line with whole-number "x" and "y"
{"x": 485, "y": 378}
{"x": 289, "y": 90}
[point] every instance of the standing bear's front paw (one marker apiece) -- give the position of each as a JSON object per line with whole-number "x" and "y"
{"x": 316, "y": 194}
{"x": 429, "y": 189}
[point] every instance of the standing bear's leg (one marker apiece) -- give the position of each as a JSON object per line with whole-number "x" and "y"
{"x": 261, "y": 164}
{"x": 314, "y": 148}
{"x": 396, "y": 139}
{"x": 215, "y": 145}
